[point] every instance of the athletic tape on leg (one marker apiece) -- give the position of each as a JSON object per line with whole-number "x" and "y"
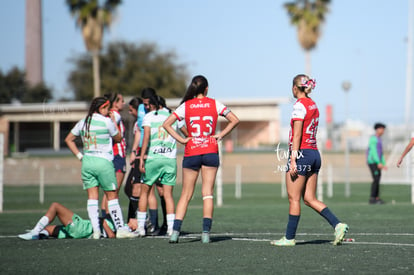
{"x": 208, "y": 197}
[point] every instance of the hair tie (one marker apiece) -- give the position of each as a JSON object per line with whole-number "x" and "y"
{"x": 308, "y": 83}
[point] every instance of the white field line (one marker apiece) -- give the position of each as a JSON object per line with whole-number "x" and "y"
{"x": 244, "y": 237}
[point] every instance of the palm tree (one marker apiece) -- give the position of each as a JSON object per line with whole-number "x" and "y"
{"x": 93, "y": 18}
{"x": 308, "y": 16}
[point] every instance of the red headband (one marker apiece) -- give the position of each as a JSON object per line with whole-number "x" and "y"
{"x": 106, "y": 103}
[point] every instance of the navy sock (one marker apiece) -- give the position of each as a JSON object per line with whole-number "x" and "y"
{"x": 103, "y": 212}
{"x": 292, "y": 226}
{"x": 207, "y": 224}
{"x": 153, "y": 216}
{"x": 177, "y": 225}
{"x": 164, "y": 210}
{"x": 329, "y": 216}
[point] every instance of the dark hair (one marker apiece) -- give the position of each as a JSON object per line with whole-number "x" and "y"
{"x": 147, "y": 92}
{"x": 197, "y": 86}
{"x": 112, "y": 97}
{"x": 96, "y": 103}
{"x": 163, "y": 103}
{"x": 379, "y": 125}
{"x": 158, "y": 102}
{"x": 135, "y": 101}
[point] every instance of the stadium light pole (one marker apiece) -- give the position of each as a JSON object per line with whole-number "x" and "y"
{"x": 346, "y": 86}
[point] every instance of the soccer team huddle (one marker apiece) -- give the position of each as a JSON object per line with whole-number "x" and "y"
{"x": 154, "y": 165}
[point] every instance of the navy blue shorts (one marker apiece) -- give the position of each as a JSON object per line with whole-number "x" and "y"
{"x": 195, "y": 162}
{"x": 119, "y": 164}
{"x": 308, "y": 162}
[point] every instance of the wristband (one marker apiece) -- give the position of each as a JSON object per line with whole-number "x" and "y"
{"x": 79, "y": 156}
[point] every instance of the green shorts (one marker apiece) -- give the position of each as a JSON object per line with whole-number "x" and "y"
{"x": 163, "y": 170}
{"x": 99, "y": 172}
{"x": 78, "y": 229}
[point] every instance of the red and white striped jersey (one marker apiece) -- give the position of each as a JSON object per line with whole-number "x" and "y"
{"x": 119, "y": 148}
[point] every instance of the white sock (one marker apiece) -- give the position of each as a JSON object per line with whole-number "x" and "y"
{"x": 170, "y": 221}
{"x": 116, "y": 213}
{"x": 41, "y": 224}
{"x": 93, "y": 213}
{"x": 141, "y": 217}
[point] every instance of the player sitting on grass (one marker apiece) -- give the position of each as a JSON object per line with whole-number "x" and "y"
{"x": 72, "y": 227}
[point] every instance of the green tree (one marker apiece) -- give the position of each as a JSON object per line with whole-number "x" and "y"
{"x": 93, "y": 18}
{"x": 13, "y": 86}
{"x": 127, "y": 68}
{"x": 308, "y": 16}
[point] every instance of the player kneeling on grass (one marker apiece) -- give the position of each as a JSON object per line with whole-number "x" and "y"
{"x": 72, "y": 227}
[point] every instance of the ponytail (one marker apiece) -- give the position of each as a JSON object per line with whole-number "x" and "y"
{"x": 197, "y": 86}
{"x": 96, "y": 103}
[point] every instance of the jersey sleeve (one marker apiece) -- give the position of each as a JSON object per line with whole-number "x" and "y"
{"x": 222, "y": 110}
{"x": 113, "y": 131}
{"x": 299, "y": 111}
{"x": 141, "y": 114}
{"x": 76, "y": 130}
{"x": 179, "y": 113}
{"x": 146, "y": 120}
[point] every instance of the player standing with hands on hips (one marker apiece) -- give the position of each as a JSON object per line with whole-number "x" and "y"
{"x": 201, "y": 150}
{"x": 97, "y": 131}
{"x": 304, "y": 163}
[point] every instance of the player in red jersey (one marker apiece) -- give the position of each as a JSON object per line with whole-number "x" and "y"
{"x": 304, "y": 163}
{"x": 200, "y": 114}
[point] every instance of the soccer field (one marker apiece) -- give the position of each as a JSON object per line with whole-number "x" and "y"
{"x": 242, "y": 230}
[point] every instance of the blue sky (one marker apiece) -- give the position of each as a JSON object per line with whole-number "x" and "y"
{"x": 246, "y": 49}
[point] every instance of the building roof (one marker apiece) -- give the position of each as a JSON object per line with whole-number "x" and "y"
{"x": 245, "y": 108}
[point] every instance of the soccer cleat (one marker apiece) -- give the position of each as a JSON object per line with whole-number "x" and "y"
{"x": 96, "y": 235}
{"x": 140, "y": 232}
{"x": 44, "y": 234}
{"x": 205, "y": 237}
{"x": 174, "y": 236}
{"x": 124, "y": 232}
{"x": 340, "y": 230}
{"x": 164, "y": 230}
{"x": 283, "y": 242}
{"x": 376, "y": 201}
{"x": 29, "y": 236}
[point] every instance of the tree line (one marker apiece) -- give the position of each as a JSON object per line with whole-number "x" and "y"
{"x": 125, "y": 67}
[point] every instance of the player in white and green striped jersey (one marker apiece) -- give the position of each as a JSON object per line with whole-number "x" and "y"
{"x": 97, "y": 131}
{"x": 161, "y": 164}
